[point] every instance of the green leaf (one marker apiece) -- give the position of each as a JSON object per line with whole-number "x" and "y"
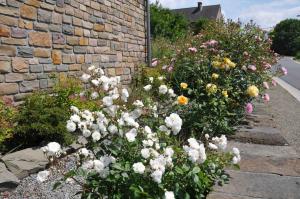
{"x": 56, "y": 185}
{"x": 196, "y": 170}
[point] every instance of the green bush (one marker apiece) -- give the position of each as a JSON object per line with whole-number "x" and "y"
{"x": 226, "y": 49}
{"x": 7, "y": 114}
{"x": 43, "y": 115}
{"x": 200, "y": 25}
{"x": 165, "y": 23}
{"x": 286, "y": 37}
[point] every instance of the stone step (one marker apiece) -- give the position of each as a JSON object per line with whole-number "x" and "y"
{"x": 255, "y": 120}
{"x": 264, "y": 150}
{"x": 259, "y": 135}
{"x": 246, "y": 185}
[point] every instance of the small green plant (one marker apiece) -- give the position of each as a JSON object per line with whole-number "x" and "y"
{"x": 297, "y": 57}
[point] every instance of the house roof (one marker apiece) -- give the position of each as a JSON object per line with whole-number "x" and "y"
{"x": 194, "y": 13}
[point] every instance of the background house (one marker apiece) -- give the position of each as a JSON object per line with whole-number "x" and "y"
{"x": 193, "y": 14}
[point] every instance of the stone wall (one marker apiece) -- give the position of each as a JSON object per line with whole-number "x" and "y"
{"x": 42, "y": 37}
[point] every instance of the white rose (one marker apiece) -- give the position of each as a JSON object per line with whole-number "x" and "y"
{"x": 138, "y": 168}
{"x": 130, "y": 135}
{"x": 85, "y": 77}
{"x": 107, "y": 101}
{"x": 71, "y": 126}
{"x": 96, "y": 136}
{"x": 163, "y": 89}
{"x": 169, "y": 195}
{"x": 145, "y": 153}
{"x": 148, "y": 87}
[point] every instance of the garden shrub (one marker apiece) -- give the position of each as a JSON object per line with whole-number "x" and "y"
{"x": 286, "y": 37}
{"x": 42, "y": 116}
{"x": 7, "y": 114}
{"x": 219, "y": 66}
{"x": 297, "y": 57}
{"x": 134, "y": 149}
{"x": 165, "y": 23}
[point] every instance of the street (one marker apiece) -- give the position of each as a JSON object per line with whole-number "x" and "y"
{"x": 293, "y": 77}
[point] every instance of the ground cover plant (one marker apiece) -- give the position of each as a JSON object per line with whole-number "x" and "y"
{"x": 133, "y": 147}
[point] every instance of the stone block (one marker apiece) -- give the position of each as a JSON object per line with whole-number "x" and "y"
{"x": 4, "y": 31}
{"x": 9, "y": 88}
{"x": 14, "y": 3}
{"x": 75, "y": 67}
{"x": 8, "y": 180}
{"x": 45, "y": 60}
{"x": 14, "y": 41}
{"x": 13, "y": 77}
{"x": 68, "y": 30}
{"x": 83, "y": 41}
{"x": 69, "y": 59}
{"x": 77, "y": 21}
{"x": 93, "y": 42}
{"x": 5, "y": 10}
{"x": 28, "y": 12}
{"x": 55, "y": 28}
{"x": 73, "y": 41}
{"x": 56, "y": 57}
{"x": 67, "y": 19}
{"x": 26, "y": 52}
{"x": 80, "y": 59}
{"x": 10, "y": 21}
{"x": 36, "y": 68}
{"x": 40, "y": 39}
{"x": 41, "y": 26}
{"x": 80, "y": 49}
{"x": 62, "y": 68}
{"x": 33, "y": 61}
{"x": 57, "y": 18}
{"x": 43, "y": 83}
{"x": 41, "y": 52}
{"x": 18, "y": 33}
{"x": 8, "y": 50}
{"x": 29, "y": 86}
{"x": 49, "y": 68}
{"x": 5, "y": 66}
{"x": 99, "y": 27}
{"x": 78, "y": 31}
{"x": 29, "y": 76}
{"x": 44, "y": 16}
{"x": 20, "y": 96}
{"x": 35, "y": 3}
{"x": 25, "y": 162}
{"x": 20, "y": 65}
{"x": 58, "y": 38}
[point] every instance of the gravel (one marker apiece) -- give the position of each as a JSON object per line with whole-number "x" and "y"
{"x": 286, "y": 111}
{"x": 30, "y": 188}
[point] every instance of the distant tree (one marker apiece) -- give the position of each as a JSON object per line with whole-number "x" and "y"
{"x": 199, "y": 25}
{"x": 286, "y": 37}
{"x": 165, "y": 23}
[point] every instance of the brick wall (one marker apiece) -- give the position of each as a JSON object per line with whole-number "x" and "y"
{"x": 42, "y": 37}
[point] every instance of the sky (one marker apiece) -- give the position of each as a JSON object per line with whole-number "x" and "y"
{"x": 266, "y": 13}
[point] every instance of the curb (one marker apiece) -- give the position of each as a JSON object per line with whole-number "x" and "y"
{"x": 289, "y": 88}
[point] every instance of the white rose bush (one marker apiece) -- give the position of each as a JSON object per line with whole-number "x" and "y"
{"x": 133, "y": 147}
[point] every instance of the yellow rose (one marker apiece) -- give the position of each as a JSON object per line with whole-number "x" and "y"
{"x": 229, "y": 63}
{"x": 225, "y": 94}
{"x": 182, "y": 100}
{"x": 215, "y": 76}
{"x": 252, "y": 91}
{"x": 216, "y": 64}
{"x": 184, "y": 85}
{"x": 211, "y": 88}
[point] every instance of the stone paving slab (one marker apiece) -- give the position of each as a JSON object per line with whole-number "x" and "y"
{"x": 259, "y": 185}
{"x": 264, "y": 150}
{"x": 7, "y": 179}
{"x": 260, "y": 135}
{"x": 272, "y": 165}
{"x": 216, "y": 195}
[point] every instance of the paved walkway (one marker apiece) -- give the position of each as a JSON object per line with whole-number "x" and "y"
{"x": 270, "y": 166}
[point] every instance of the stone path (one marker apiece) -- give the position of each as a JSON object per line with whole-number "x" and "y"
{"x": 270, "y": 166}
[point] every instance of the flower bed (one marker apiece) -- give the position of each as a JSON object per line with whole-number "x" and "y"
{"x": 133, "y": 146}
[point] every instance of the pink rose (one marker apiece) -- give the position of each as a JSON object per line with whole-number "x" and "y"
{"x": 193, "y": 50}
{"x": 154, "y": 62}
{"x": 266, "y": 97}
{"x": 274, "y": 83}
{"x": 284, "y": 70}
{"x": 249, "y": 108}
{"x": 252, "y": 67}
{"x": 266, "y": 85}
{"x": 267, "y": 65}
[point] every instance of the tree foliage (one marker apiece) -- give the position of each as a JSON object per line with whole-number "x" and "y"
{"x": 286, "y": 37}
{"x": 167, "y": 24}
